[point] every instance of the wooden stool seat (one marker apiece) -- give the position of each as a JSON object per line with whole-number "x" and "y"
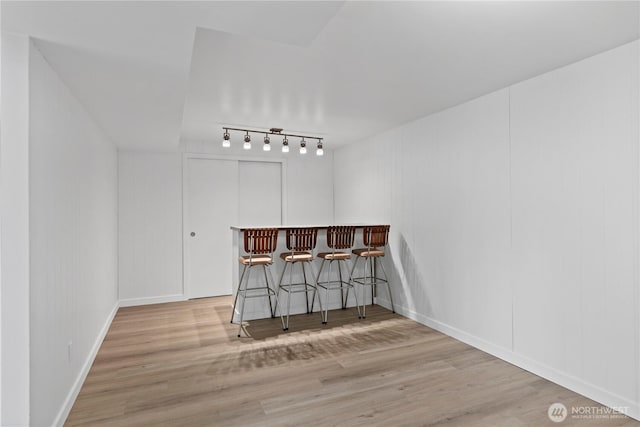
{"x": 296, "y": 256}
{"x": 373, "y": 252}
{"x": 334, "y": 255}
{"x": 255, "y": 260}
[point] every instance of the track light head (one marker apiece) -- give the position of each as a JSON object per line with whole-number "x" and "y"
{"x": 267, "y": 145}
{"x": 226, "y": 139}
{"x": 303, "y": 147}
{"x": 285, "y": 145}
{"x": 319, "y": 150}
{"x": 247, "y": 142}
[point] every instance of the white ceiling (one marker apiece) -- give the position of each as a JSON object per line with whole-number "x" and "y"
{"x": 152, "y": 73}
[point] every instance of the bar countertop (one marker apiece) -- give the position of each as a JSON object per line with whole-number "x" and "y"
{"x": 284, "y": 227}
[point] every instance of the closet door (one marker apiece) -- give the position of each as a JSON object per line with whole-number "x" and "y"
{"x": 219, "y": 194}
{"x": 211, "y": 207}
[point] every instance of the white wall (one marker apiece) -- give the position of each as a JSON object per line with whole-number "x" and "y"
{"x": 309, "y": 188}
{"x": 515, "y": 222}
{"x": 150, "y": 215}
{"x": 574, "y": 179}
{"x": 444, "y": 187}
{"x": 149, "y": 226}
{"x": 14, "y": 230}
{"x": 73, "y": 235}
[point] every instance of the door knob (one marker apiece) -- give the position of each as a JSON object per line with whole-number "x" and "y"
{"x": 193, "y": 234}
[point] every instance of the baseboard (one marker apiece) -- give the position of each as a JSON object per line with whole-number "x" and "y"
{"x": 152, "y": 300}
{"x": 82, "y": 375}
{"x": 570, "y": 382}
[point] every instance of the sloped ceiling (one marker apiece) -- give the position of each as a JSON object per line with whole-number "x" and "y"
{"x": 153, "y": 73}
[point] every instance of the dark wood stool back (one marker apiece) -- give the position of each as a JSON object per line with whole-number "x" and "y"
{"x": 302, "y": 239}
{"x": 340, "y": 236}
{"x": 260, "y": 240}
{"x": 375, "y": 236}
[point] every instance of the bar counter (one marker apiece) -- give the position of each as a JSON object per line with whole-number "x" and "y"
{"x": 256, "y": 309}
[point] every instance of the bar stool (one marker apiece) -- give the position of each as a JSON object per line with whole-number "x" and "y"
{"x": 301, "y": 242}
{"x": 338, "y": 239}
{"x": 259, "y": 244}
{"x": 375, "y": 239}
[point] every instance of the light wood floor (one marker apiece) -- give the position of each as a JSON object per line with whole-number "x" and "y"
{"x": 181, "y": 364}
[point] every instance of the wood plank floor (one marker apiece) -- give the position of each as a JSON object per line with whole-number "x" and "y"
{"x": 181, "y": 364}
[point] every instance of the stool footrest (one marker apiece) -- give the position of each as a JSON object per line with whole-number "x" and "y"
{"x": 259, "y": 296}
{"x": 337, "y": 285}
{"x": 367, "y": 281}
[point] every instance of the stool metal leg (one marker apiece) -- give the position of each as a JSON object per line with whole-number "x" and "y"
{"x": 289, "y": 293}
{"x": 315, "y": 290}
{"x": 244, "y": 299}
{"x": 284, "y": 288}
{"x": 278, "y": 289}
{"x": 306, "y": 291}
{"x": 343, "y": 298}
{"x": 275, "y": 294}
{"x": 326, "y": 294}
{"x": 386, "y": 279}
{"x": 315, "y": 286}
{"x": 364, "y": 283}
{"x": 266, "y": 280}
{"x": 367, "y": 267}
{"x": 235, "y": 302}
{"x": 355, "y": 293}
{"x": 374, "y": 279}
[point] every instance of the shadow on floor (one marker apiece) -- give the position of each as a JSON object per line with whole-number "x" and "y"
{"x": 263, "y": 329}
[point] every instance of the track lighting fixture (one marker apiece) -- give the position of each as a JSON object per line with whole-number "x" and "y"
{"x": 226, "y": 139}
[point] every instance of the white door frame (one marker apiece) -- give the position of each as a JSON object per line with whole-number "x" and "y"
{"x": 185, "y": 158}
